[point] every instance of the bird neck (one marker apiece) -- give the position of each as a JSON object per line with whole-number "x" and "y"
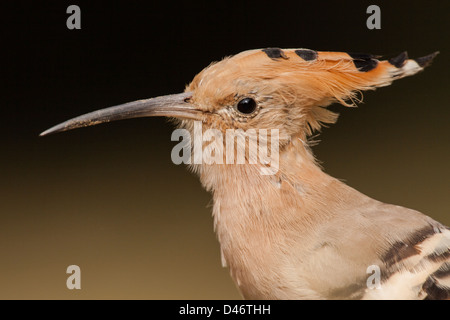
{"x": 296, "y": 167}
{"x": 256, "y": 215}
{"x": 243, "y": 196}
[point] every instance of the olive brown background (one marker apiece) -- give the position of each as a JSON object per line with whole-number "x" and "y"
{"x": 109, "y": 199}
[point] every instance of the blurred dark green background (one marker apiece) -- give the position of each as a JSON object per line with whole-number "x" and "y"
{"x": 109, "y": 199}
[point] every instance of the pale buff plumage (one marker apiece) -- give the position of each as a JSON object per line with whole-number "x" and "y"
{"x": 301, "y": 234}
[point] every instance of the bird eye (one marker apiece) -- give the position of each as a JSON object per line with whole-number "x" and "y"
{"x": 246, "y": 106}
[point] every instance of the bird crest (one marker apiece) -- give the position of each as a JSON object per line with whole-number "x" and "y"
{"x": 300, "y": 82}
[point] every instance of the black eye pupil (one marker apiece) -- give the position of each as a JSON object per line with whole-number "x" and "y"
{"x": 246, "y": 106}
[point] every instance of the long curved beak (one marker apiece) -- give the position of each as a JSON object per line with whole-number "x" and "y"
{"x": 174, "y": 105}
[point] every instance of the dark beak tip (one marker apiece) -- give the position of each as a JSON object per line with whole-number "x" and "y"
{"x": 45, "y": 133}
{"x": 51, "y": 130}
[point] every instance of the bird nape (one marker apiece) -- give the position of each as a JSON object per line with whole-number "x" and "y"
{"x": 296, "y": 232}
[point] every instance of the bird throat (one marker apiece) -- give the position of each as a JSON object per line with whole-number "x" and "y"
{"x": 252, "y": 212}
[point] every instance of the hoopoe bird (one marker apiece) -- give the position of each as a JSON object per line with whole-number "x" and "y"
{"x": 299, "y": 233}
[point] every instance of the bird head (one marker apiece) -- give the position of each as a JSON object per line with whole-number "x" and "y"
{"x": 271, "y": 88}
